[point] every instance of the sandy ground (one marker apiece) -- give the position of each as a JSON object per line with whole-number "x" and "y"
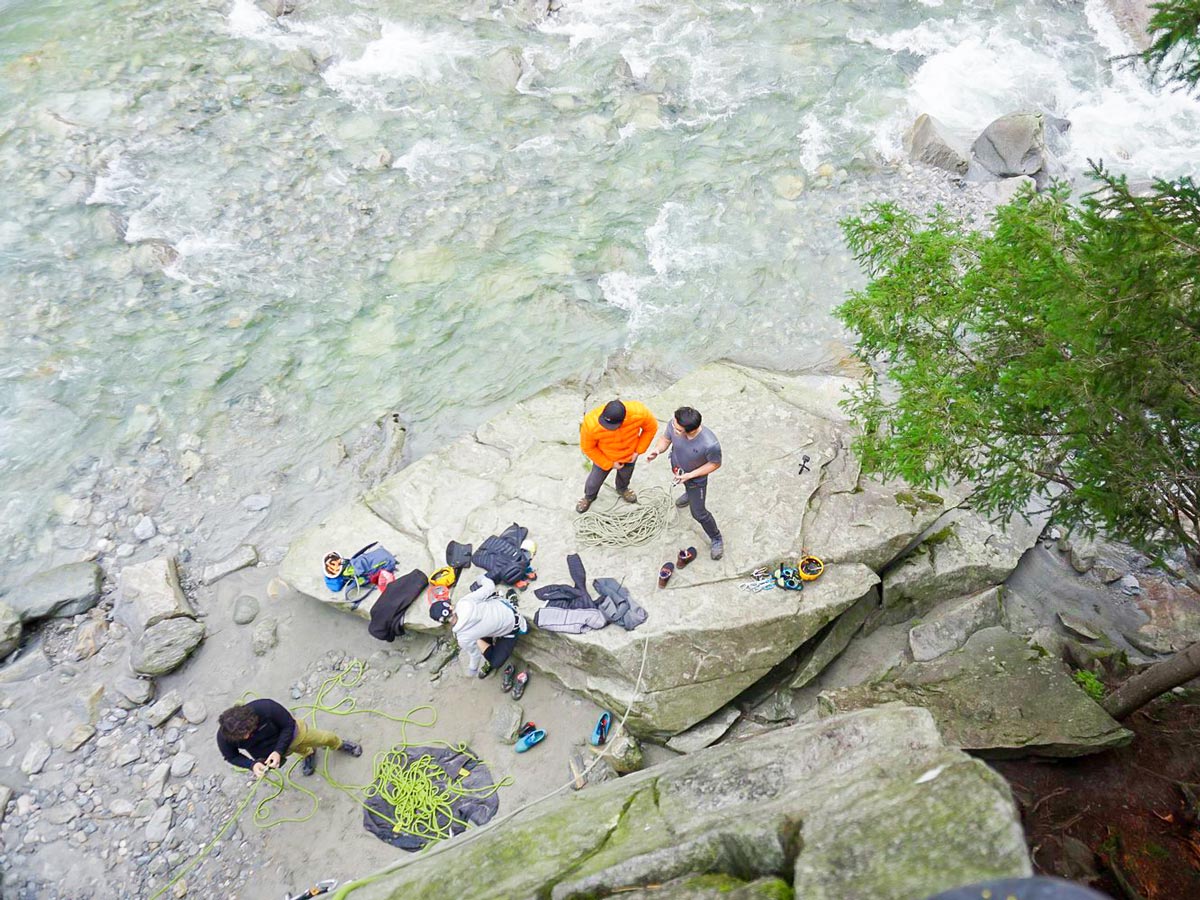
{"x": 334, "y": 844}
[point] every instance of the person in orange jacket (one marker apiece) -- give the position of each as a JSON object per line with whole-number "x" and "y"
{"x": 612, "y": 437}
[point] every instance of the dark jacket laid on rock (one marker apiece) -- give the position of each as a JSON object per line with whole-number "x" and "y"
{"x": 569, "y": 621}
{"x": 568, "y": 596}
{"x": 276, "y": 728}
{"x": 616, "y": 604}
{"x": 387, "y": 615}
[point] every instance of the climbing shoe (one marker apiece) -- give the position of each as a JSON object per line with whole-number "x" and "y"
{"x": 718, "y": 548}
{"x": 629, "y": 496}
{"x": 685, "y": 557}
{"x": 682, "y": 500}
{"x": 350, "y": 748}
{"x": 534, "y": 737}
{"x": 665, "y": 573}
{"x": 308, "y": 765}
{"x": 519, "y": 684}
{"x": 525, "y": 729}
{"x": 512, "y": 597}
{"x": 600, "y": 733}
{"x": 506, "y": 678}
{"x": 583, "y": 505}
{"x": 485, "y": 670}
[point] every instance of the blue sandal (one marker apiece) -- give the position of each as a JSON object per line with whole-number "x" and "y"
{"x": 534, "y": 737}
{"x": 600, "y": 734}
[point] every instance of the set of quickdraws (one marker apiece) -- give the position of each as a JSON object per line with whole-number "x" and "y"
{"x": 763, "y": 581}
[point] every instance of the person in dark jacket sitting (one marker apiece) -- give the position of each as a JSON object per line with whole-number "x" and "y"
{"x": 260, "y": 734}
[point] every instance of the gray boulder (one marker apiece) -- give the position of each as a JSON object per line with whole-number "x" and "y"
{"x": 952, "y": 623}
{"x": 150, "y": 594}
{"x": 705, "y": 640}
{"x": 10, "y": 630}
{"x": 826, "y": 646}
{"x": 965, "y": 554}
{"x": 930, "y": 142}
{"x": 164, "y": 646}
{"x": 871, "y": 804}
{"x": 706, "y": 733}
{"x": 57, "y": 593}
{"x": 996, "y": 694}
{"x": 1012, "y": 145}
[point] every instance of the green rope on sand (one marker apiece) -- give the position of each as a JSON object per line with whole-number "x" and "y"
{"x": 627, "y": 524}
{"x": 421, "y": 808}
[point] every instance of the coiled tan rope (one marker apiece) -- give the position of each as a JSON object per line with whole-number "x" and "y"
{"x": 627, "y": 524}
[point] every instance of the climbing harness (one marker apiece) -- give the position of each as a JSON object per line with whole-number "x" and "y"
{"x": 627, "y": 525}
{"x": 386, "y": 776}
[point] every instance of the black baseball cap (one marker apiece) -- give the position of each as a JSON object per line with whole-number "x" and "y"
{"x": 613, "y": 415}
{"x": 440, "y": 611}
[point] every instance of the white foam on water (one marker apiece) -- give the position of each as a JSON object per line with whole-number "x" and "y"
{"x": 401, "y": 53}
{"x": 1130, "y": 124}
{"x": 624, "y": 291}
{"x": 250, "y": 22}
{"x": 117, "y": 185}
{"x": 815, "y": 141}
{"x": 673, "y": 243}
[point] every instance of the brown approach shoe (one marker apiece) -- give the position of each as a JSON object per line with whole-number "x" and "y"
{"x": 629, "y": 496}
{"x": 583, "y": 505}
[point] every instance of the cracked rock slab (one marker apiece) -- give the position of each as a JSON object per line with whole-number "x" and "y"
{"x": 997, "y": 695}
{"x": 767, "y": 808}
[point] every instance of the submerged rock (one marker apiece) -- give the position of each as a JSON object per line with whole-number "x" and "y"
{"x": 870, "y": 804}
{"x": 996, "y": 694}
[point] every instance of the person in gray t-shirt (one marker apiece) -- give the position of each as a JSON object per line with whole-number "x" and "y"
{"x": 695, "y": 454}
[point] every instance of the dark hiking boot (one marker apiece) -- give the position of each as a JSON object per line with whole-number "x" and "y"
{"x": 309, "y": 764}
{"x": 351, "y": 748}
{"x": 682, "y": 500}
{"x": 583, "y": 505}
{"x": 718, "y": 548}
{"x": 629, "y": 496}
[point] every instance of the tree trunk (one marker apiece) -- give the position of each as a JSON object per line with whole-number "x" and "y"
{"x": 1158, "y": 679}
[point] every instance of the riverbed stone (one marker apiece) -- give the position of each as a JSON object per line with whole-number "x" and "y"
{"x": 79, "y": 736}
{"x": 871, "y": 804}
{"x": 965, "y": 554}
{"x": 162, "y": 709}
{"x": 950, "y": 624}
{"x": 10, "y": 630}
{"x": 165, "y": 646}
{"x": 507, "y": 719}
{"x": 35, "y": 757}
{"x": 929, "y": 141}
{"x": 150, "y": 594}
{"x": 60, "y": 592}
{"x": 159, "y": 824}
{"x": 244, "y": 556}
{"x": 996, "y": 695}
{"x": 195, "y": 711}
{"x": 265, "y": 636}
{"x": 245, "y": 609}
{"x": 137, "y": 691}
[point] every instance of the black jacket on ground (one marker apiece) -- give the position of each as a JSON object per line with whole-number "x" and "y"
{"x": 567, "y": 596}
{"x": 387, "y": 615}
{"x": 274, "y": 734}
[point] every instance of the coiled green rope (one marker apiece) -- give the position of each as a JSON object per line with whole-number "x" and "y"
{"x": 627, "y": 524}
{"x": 421, "y": 807}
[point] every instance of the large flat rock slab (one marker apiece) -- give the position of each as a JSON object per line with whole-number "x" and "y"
{"x": 706, "y": 639}
{"x": 996, "y": 694}
{"x": 870, "y": 804}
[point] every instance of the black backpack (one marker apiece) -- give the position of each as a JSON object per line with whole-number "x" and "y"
{"x": 501, "y": 555}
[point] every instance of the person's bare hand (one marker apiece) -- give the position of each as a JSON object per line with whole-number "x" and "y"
{"x": 260, "y": 770}
{"x": 273, "y": 761}
{"x": 651, "y": 456}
